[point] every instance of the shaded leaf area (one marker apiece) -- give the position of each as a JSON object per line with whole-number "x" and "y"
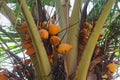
{"x": 96, "y": 10}
{"x": 10, "y": 34}
{"x": 9, "y": 41}
{"x": 48, "y": 2}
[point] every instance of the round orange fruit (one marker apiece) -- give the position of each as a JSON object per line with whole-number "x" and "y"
{"x": 53, "y": 29}
{"x": 111, "y": 67}
{"x": 64, "y": 48}
{"x": 43, "y": 34}
{"x": 24, "y": 27}
{"x": 55, "y": 40}
{"x": 88, "y": 25}
{"x": 30, "y": 51}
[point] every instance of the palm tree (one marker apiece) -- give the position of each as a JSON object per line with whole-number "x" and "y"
{"x": 92, "y": 50}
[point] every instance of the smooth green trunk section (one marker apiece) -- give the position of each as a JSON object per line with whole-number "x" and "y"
{"x": 41, "y": 55}
{"x": 61, "y": 18}
{"x": 63, "y": 21}
{"x": 82, "y": 69}
{"x": 72, "y": 38}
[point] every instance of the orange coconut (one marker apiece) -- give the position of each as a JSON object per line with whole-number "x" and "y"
{"x": 24, "y": 27}
{"x": 43, "y": 34}
{"x": 55, "y": 40}
{"x": 53, "y": 29}
{"x": 30, "y": 51}
{"x": 88, "y": 25}
{"x": 85, "y": 32}
{"x": 111, "y": 67}
{"x": 28, "y": 36}
{"x": 64, "y": 48}
{"x": 50, "y": 58}
{"x": 27, "y": 45}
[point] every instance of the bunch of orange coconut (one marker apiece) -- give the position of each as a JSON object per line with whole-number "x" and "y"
{"x": 111, "y": 69}
{"x": 49, "y": 32}
{"x": 84, "y": 35}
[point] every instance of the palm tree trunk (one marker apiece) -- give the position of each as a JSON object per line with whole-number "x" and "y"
{"x": 72, "y": 38}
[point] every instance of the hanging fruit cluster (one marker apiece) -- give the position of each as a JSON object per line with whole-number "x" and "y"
{"x": 49, "y": 34}
{"x": 83, "y": 38}
{"x": 102, "y": 62}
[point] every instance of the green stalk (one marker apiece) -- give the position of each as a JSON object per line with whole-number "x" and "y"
{"x": 61, "y": 18}
{"x": 82, "y": 69}
{"x": 41, "y": 55}
{"x": 72, "y": 38}
{"x": 63, "y": 22}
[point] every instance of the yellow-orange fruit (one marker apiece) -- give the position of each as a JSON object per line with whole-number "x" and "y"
{"x": 50, "y": 58}
{"x": 111, "y": 67}
{"x": 84, "y": 32}
{"x": 53, "y": 29}
{"x": 43, "y": 34}
{"x": 28, "y": 37}
{"x": 64, "y": 48}
{"x": 55, "y": 40}
{"x": 30, "y": 51}
{"x": 88, "y": 25}
{"x": 3, "y": 75}
{"x": 27, "y": 45}
{"x": 24, "y": 27}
